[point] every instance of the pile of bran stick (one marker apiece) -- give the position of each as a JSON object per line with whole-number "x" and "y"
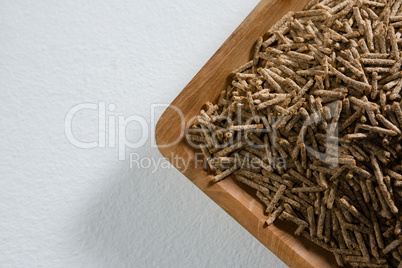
{"x": 313, "y": 123}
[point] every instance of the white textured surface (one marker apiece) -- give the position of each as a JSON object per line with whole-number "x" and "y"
{"x": 62, "y": 206}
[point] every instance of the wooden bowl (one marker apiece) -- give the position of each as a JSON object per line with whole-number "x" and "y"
{"x": 237, "y": 200}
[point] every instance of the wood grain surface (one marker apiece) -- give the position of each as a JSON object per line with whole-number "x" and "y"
{"x": 237, "y": 200}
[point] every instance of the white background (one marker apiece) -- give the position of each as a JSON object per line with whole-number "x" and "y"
{"x": 62, "y": 206}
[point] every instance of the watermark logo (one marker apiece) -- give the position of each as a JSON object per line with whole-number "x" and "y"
{"x": 112, "y": 129}
{"x": 112, "y": 132}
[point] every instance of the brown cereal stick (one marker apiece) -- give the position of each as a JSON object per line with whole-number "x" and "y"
{"x": 369, "y": 35}
{"x": 373, "y": 3}
{"x": 360, "y": 86}
{"x": 394, "y": 44}
{"x": 282, "y": 24}
{"x": 226, "y": 173}
{"x": 365, "y": 191}
{"x": 311, "y": 4}
{"x": 353, "y": 151}
{"x": 380, "y": 36}
{"x": 307, "y": 189}
{"x": 301, "y": 178}
{"x": 277, "y": 178}
{"x": 361, "y": 151}
{"x": 395, "y": 7}
{"x": 246, "y": 127}
{"x": 350, "y": 120}
{"x": 295, "y": 37}
{"x": 311, "y": 221}
{"x": 207, "y": 157}
{"x": 398, "y": 227}
{"x": 270, "y": 103}
{"x": 391, "y": 84}
{"x": 381, "y": 62}
{"x": 393, "y": 174}
{"x": 283, "y": 39}
{"x": 303, "y": 91}
{"x": 316, "y": 198}
{"x": 276, "y": 198}
{"x": 253, "y": 184}
{"x": 257, "y": 49}
{"x": 311, "y": 72}
{"x": 292, "y": 85}
{"x": 373, "y": 246}
{"x": 332, "y": 194}
{"x": 243, "y": 76}
{"x": 303, "y": 155}
{"x": 286, "y": 216}
{"x": 312, "y": 139}
{"x": 392, "y": 246}
{"x": 396, "y": 67}
{"x": 327, "y": 227}
{"x": 387, "y": 123}
{"x": 388, "y": 232}
{"x": 380, "y": 152}
{"x": 263, "y": 197}
{"x": 377, "y": 231}
{"x": 348, "y": 65}
{"x": 378, "y": 69}
{"x": 292, "y": 73}
{"x": 270, "y": 41}
{"x": 320, "y": 169}
{"x": 243, "y": 67}
{"x": 345, "y": 234}
{"x": 274, "y": 215}
{"x": 364, "y": 103}
{"x": 268, "y": 151}
{"x": 301, "y": 56}
{"x": 354, "y": 211}
{"x": 195, "y": 138}
{"x": 377, "y": 129}
{"x": 385, "y": 212}
{"x": 252, "y": 107}
{"x": 374, "y": 84}
{"x": 320, "y": 223}
{"x": 362, "y": 246}
{"x": 375, "y": 55}
{"x": 363, "y": 46}
{"x": 335, "y": 35}
{"x": 359, "y": 20}
{"x": 271, "y": 81}
{"x": 396, "y": 24}
{"x": 300, "y": 198}
{"x": 276, "y": 74}
{"x": 371, "y": 13}
{"x": 317, "y": 54}
{"x": 395, "y": 92}
{"x": 291, "y": 201}
{"x": 339, "y": 7}
{"x": 228, "y": 150}
{"x": 395, "y": 18}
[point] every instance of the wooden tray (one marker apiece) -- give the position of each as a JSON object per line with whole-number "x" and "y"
{"x": 234, "y": 198}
